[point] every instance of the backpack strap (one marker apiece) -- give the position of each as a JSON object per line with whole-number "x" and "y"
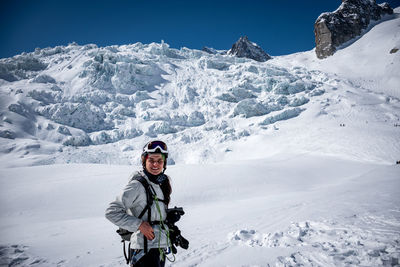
{"x": 149, "y": 197}
{"x": 125, "y": 234}
{"x": 150, "y": 193}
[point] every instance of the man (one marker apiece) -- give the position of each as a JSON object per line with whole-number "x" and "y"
{"x": 130, "y": 211}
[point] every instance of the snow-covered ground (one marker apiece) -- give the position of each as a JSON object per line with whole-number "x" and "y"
{"x": 290, "y": 162}
{"x": 282, "y": 210}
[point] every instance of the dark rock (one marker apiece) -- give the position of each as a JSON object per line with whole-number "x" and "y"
{"x": 213, "y": 51}
{"x": 335, "y": 28}
{"x": 209, "y": 50}
{"x": 247, "y": 49}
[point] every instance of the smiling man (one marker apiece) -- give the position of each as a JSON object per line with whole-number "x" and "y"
{"x": 144, "y": 218}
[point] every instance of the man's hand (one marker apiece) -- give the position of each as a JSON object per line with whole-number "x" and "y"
{"x": 146, "y": 229}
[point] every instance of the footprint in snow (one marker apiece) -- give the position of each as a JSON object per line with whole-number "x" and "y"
{"x": 328, "y": 243}
{"x": 248, "y": 237}
{"x": 17, "y": 255}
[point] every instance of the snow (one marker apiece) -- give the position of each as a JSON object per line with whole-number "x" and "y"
{"x": 364, "y": 61}
{"x": 284, "y": 209}
{"x": 288, "y": 162}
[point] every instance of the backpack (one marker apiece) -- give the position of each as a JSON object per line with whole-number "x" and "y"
{"x": 125, "y": 234}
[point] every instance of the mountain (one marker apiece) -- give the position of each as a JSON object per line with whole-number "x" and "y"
{"x": 245, "y": 48}
{"x": 347, "y": 22}
{"x": 100, "y": 104}
{"x": 289, "y": 162}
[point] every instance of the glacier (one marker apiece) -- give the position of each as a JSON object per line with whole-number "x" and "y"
{"x": 289, "y": 162}
{"x": 81, "y": 96}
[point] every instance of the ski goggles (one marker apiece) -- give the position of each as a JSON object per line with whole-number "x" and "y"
{"x": 152, "y": 147}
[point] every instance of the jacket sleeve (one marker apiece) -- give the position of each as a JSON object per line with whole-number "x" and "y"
{"x": 117, "y": 210}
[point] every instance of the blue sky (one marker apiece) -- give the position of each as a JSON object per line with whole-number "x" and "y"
{"x": 279, "y": 27}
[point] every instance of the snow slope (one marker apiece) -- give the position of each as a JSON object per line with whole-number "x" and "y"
{"x": 283, "y": 211}
{"x": 290, "y": 162}
{"x": 108, "y": 101}
{"x": 369, "y": 62}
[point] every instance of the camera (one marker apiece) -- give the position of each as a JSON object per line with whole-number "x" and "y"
{"x": 174, "y": 215}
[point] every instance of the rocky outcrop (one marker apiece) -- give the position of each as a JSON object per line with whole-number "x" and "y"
{"x": 247, "y": 49}
{"x": 335, "y": 28}
{"x": 209, "y": 50}
{"x": 213, "y": 51}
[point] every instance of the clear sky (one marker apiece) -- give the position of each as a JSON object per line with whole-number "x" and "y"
{"x": 279, "y": 26}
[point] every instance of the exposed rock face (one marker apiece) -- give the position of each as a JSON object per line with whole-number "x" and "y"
{"x": 247, "y": 49}
{"x": 213, "y": 51}
{"x": 335, "y": 28}
{"x": 209, "y": 50}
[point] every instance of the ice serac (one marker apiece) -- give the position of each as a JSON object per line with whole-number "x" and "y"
{"x": 347, "y": 22}
{"x": 245, "y": 48}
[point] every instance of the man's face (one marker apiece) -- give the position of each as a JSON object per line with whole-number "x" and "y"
{"x": 155, "y": 163}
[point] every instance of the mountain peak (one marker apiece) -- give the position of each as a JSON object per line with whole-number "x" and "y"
{"x": 245, "y": 48}
{"x": 333, "y": 29}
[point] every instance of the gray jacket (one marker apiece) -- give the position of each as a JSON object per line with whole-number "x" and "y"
{"x": 125, "y": 210}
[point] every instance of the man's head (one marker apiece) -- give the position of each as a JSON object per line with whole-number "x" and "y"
{"x": 154, "y": 157}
